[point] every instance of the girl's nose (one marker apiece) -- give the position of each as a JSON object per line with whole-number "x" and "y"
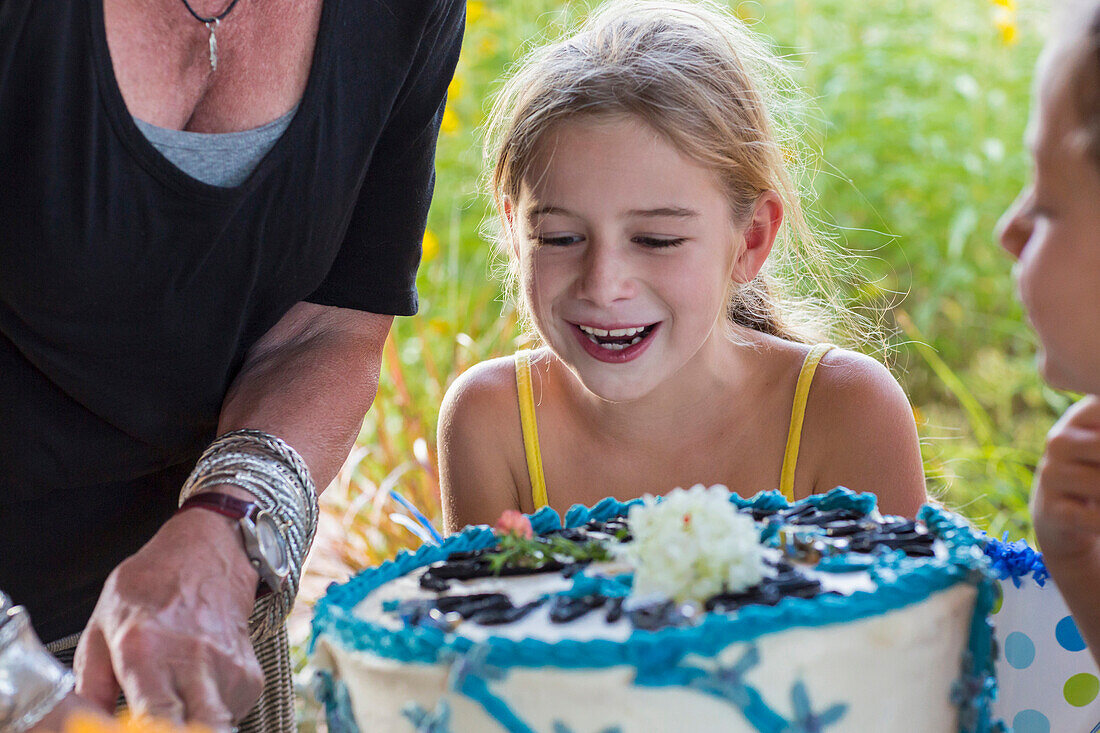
{"x": 605, "y": 276}
{"x": 1014, "y": 228}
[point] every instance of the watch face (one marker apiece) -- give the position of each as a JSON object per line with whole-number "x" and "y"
{"x": 271, "y": 543}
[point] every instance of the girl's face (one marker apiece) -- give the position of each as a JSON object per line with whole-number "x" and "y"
{"x": 627, "y": 250}
{"x": 1053, "y": 229}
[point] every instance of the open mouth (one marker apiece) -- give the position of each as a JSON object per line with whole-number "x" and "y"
{"x": 616, "y": 339}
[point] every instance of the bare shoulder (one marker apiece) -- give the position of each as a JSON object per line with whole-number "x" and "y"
{"x": 845, "y": 375}
{"x": 485, "y": 387}
{"x": 480, "y": 443}
{"x": 859, "y": 432}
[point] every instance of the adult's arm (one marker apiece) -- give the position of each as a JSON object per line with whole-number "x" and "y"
{"x": 171, "y": 626}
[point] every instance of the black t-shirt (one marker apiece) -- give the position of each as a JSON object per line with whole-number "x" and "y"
{"x": 130, "y": 292}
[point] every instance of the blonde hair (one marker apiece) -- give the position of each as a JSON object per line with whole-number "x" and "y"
{"x": 716, "y": 92}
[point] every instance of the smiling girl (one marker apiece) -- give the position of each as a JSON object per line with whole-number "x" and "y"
{"x": 642, "y": 188}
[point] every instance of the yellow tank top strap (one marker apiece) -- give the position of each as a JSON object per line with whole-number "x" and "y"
{"x": 798, "y": 413}
{"x": 530, "y": 428}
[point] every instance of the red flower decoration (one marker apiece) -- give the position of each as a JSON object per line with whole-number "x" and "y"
{"x": 516, "y": 523}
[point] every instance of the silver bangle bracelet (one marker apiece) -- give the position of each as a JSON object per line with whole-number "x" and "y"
{"x": 32, "y": 682}
{"x": 276, "y": 475}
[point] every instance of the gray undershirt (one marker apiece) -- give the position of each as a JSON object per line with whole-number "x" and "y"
{"x": 219, "y": 159}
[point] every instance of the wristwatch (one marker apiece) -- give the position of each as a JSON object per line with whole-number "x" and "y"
{"x": 263, "y": 540}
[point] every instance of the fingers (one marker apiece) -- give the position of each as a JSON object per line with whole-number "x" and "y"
{"x": 1085, "y": 413}
{"x": 204, "y": 703}
{"x": 180, "y": 678}
{"x": 218, "y": 688}
{"x": 95, "y": 676}
{"x": 146, "y": 680}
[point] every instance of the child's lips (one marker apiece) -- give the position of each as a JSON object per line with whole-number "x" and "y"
{"x": 617, "y": 344}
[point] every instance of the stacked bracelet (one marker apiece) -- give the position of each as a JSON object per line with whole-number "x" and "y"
{"x": 276, "y": 475}
{"x": 32, "y": 682}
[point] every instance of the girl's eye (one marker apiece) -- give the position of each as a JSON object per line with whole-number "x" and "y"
{"x": 659, "y": 242}
{"x": 556, "y": 241}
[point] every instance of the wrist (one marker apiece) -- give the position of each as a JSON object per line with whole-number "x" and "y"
{"x": 279, "y": 479}
{"x": 264, "y": 540}
{"x": 220, "y": 536}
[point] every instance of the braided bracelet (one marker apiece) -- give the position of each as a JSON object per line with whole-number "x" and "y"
{"x": 278, "y": 478}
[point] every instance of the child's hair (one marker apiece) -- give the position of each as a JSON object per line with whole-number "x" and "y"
{"x": 716, "y": 92}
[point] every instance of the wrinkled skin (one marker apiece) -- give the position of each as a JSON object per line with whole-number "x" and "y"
{"x": 182, "y": 600}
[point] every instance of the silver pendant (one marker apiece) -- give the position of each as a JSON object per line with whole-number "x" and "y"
{"x": 213, "y": 45}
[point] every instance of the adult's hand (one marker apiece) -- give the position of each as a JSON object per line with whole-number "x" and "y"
{"x": 171, "y": 627}
{"x": 1065, "y": 503}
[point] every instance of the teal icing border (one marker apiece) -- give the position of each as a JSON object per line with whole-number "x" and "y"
{"x": 902, "y": 582}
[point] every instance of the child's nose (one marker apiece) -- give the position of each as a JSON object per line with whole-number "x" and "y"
{"x": 605, "y": 276}
{"x": 1014, "y": 228}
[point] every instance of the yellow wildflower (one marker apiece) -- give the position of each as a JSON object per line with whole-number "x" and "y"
{"x": 430, "y": 247}
{"x": 455, "y": 87}
{"x": 1005, "y": 23}
{"x": 488, "y": 46}
{"x": 449, "y": 124}
{"x": 475, "y": 9}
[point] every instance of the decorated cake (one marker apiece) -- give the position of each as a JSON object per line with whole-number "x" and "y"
{"x": 697, "y": 611}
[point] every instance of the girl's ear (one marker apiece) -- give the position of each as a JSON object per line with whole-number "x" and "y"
{"x": 508, "y": 219}
{"x": 758, "y": 236}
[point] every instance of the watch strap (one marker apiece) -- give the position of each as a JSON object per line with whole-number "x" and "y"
{"x": 224, "y": 504}
{"x": 232, "y": 507}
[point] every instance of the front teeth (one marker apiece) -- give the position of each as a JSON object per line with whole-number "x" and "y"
{"x": 595, "y": 334}
{"x": 615, "y": 332}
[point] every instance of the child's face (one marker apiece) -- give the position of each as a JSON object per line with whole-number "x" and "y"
{"x": 1053, "y": 229}
{"x": 626, "y": 251}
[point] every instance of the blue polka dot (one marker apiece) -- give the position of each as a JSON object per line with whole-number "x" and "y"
{"x": 1019, "y": 650}
{"x": 1030, "y": 721}
{"x": 1068, "y": 636}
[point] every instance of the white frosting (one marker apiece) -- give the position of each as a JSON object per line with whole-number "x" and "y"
{"x": 894, "y": 671}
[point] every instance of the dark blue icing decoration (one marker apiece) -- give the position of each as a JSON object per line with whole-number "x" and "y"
{"x": 429, "y": 722}
{"x": 560, "y": 727}
{"x": 1014, "y": 560}
{"x": 334, "y": 696}
{"x": 726, "y": 683}
{"x": 805, "y": 719}
{"x": 471, "y": 675}
{"x": 902, "y": 581}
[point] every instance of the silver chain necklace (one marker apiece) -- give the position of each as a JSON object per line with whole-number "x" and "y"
{"x": 211, "y": 24}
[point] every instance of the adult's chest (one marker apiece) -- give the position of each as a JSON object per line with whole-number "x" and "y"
{"x": 101, "y": 229}
{"x": 120, "y": 274}
{"x": 171, "y": 74}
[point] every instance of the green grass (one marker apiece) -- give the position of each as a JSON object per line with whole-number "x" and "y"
{"x": 918, "y": 113}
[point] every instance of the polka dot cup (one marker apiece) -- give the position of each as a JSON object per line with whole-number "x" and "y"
{"x": 1047, "y": 680}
